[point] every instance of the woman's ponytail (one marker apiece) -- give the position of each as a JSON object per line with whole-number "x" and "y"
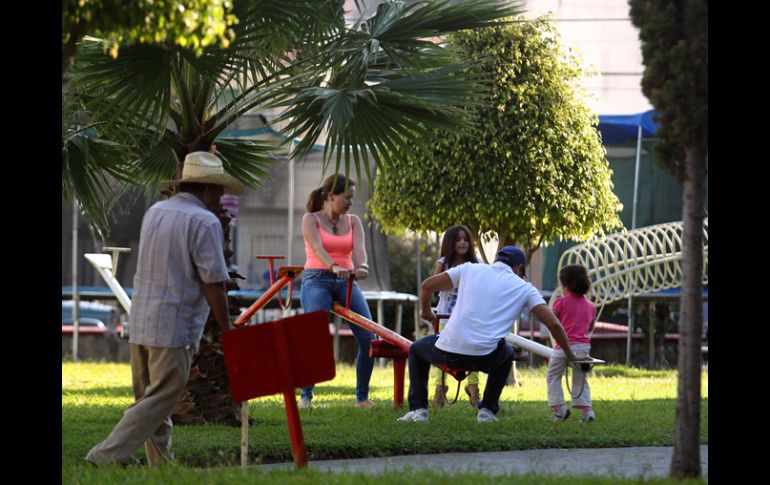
{"x": 315, "y": 201}
{"x": 335, "y": 184}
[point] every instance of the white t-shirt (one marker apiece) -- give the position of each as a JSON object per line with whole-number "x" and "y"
{"x": 490, "y": 298}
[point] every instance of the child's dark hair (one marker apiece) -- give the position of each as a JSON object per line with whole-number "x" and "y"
{"x": 575, "y": 278}
{"x": 451, "y": 235}
{"x": 335, "y": 184}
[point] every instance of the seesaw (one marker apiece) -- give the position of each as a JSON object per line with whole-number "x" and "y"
{"x": 396, "y": 347}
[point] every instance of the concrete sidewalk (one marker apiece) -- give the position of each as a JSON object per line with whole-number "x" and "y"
{"x": 636, "y": 462}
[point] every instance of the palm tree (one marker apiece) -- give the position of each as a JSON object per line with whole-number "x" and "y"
{"x": 370, "y": 88}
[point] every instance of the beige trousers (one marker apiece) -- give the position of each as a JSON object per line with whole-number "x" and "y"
{"x": 556, "y": 366}
{"x": 159, "y": 376}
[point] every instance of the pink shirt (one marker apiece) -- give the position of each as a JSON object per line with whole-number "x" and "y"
{"x": 340, "y": 248}
{"x": 575, "y": 313}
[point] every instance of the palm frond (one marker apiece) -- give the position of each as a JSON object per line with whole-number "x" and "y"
{"x": 384, "y": 115}
{"x": 90, "y": 169}
{"x": 155, "y": 164}
{"x": 404, "y": 33}
{"x": 436, "y": 18}
{"x": 135, "y": 86}
{"x": 247, "y": 160}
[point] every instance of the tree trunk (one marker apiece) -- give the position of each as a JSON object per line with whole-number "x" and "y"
{"x": 207, "y": 398}
{"x": 686, "y": 458}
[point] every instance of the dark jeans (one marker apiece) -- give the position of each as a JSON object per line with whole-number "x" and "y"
{"x": 423, "y": 353}
{"x": 319, "y": 289}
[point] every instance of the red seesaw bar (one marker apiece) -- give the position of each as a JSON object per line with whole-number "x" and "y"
{"x": 287, "y": 274}
{"x": 394, "y": 346}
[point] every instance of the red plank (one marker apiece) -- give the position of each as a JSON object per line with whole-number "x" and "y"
{"x": 253, "y": 368}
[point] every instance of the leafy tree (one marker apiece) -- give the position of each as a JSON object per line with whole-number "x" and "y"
{"x": 533, "y": 169}
{"x": 402, "y": 254}
{"x": 134, "y": 118}
{"x": 186, "y": 23}
{"x": 674, "y": 39}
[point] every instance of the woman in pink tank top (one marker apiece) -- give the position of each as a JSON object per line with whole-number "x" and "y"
{"x": 333, "y": 239}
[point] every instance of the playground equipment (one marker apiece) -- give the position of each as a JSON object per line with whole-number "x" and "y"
{"x": 259, "y": 357}
{"x": 107, "y": 270}
{"x": 392, "y": 345}
{"x": 240, "y": 353}
{"x": 278, "y": 357}
{"x": 107, "y": 267}
{"x": 396, "y": 347}
{"x": 286, "y": 275}
{"x": 632, "y": 263}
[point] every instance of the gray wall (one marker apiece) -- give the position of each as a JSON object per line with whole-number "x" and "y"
{"x": 261, "y": 228}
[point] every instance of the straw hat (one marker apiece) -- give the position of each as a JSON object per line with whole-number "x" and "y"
{"x": 206, "y": 168}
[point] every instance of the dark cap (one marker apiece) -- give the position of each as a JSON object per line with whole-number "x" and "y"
{"x": 512, "y": 256}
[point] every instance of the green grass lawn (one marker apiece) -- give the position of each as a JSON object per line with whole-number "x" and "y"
{"x": 633, "y": 407}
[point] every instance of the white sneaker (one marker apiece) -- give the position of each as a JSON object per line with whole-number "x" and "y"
{"x": 485, "y": 416}
{"x": 561, "y": 414}
{"x": 416, "y": 415}
{"x": 304, "y": 403}
{"x": 587, "y": 417}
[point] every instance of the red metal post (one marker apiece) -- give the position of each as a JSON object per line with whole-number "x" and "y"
{"x": 298, "y": 449}
{"x": 383, "y": 348}
{"x": 399, "y": 368}
{"x": 350, "y": 291}
{"x": 270, "y": 260}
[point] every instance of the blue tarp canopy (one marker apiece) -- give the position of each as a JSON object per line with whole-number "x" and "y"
{"x": 625, "y": 128}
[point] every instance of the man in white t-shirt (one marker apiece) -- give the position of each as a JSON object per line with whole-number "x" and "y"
{"x": 489, "y": 299}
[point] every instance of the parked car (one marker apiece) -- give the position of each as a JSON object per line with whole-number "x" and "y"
{"x": 108, "y": 315}
{"x": 84, "y": 322}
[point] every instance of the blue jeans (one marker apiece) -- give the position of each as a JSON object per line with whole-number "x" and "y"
{"x": 319, "y": 289}
{"x": 497, "y": 364}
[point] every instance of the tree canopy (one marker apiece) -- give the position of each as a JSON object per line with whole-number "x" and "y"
{"x": 193, "y": 24}
{"x": 369, "y": 87}
{"x": 532, "y": 169}
{"x": 674, "y": 40}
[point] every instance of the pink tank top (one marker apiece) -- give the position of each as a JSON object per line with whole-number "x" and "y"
{"x": 340, "y": 248}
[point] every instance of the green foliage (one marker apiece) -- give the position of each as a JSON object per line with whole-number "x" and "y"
{"x": 674, "y": 39}
{"x": 403, "y": 267}
{"x": 532, "y": 169}
{"x": 161, "y": 99}
{"x": 192, "y": 24}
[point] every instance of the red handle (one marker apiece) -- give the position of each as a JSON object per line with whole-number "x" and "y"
{"x": 270, "y": 260}
{"x": 439, "y": 316}
{"x": 350, "y": 291}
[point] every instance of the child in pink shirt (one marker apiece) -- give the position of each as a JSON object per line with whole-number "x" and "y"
{"x": 577, "y": 316}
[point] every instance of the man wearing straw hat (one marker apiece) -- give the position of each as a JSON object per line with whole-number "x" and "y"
{"x": 180, "y": 274}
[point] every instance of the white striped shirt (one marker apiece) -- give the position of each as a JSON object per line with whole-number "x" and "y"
{"x": 180, "y": 248}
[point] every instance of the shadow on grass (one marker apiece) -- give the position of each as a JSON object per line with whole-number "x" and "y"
{"x": 623, "y": 371}
{"x": 335, "y": 430}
